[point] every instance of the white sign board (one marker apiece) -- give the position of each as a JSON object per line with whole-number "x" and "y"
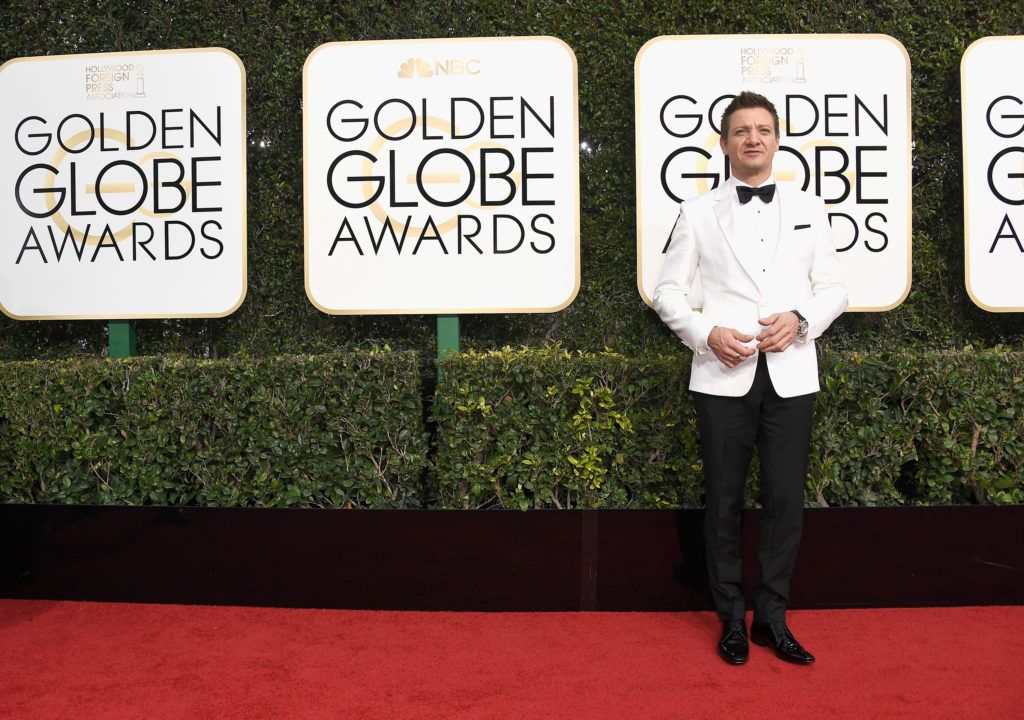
{"x": 441, "y": 176}
{"x": 122, "y": 185}
{"x": 992, "y": 102}
{"x": 844, "y": 107}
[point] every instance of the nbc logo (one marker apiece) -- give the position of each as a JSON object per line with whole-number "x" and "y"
{"x": 415, "y": 67}
{"x": 420, "y": 68}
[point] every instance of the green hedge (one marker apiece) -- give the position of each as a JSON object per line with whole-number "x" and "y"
{"x": 514, "y": 428}
{"x": 548, "y": 428}
{"x": 337, "y": 430}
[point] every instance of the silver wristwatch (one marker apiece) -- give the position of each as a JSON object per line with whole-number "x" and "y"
{"x": 801, "y": 331}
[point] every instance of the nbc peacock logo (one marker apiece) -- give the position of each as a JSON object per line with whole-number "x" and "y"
{"x": 415, "y": 67}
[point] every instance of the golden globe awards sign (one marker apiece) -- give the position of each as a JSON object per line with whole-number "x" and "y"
{"x": 441, "y": 176}
{"x": 993, "y": 137}
{"x": 844, "y": 106}
{"x": 122, "y": 185}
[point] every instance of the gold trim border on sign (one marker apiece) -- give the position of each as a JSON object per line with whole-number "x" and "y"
{"x": 444, "y": 310}
{"x": 967, "y": 176}
{"x": 771, "y": 38}
{"x": 243, "y": 179}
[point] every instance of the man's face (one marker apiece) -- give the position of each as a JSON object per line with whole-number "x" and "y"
{"x": 750, "y": 143}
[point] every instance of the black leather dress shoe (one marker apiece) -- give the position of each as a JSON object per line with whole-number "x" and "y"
{"x": 733, "y": 646}
{"x": 778, "y": 637}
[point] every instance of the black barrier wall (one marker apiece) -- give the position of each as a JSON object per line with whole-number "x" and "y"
{"x": 619, "y": 560}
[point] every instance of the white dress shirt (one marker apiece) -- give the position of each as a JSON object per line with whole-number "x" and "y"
{"x": 757, "y": 226}
{"x": 757, "y": 223}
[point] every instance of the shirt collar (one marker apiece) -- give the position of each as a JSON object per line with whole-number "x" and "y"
{"x": 736, "y": 181}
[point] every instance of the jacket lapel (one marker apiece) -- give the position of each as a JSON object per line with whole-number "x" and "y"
{"x": 787, "y": 213}
{"x": 727, "y": 224}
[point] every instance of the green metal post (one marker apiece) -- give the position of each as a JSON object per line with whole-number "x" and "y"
{"x": 447, "y": 337}
{"x": 121, "y": 338}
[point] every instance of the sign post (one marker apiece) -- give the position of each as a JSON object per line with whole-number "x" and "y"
{"x": 121, "y": 339}
{"x": 447, "y": 337}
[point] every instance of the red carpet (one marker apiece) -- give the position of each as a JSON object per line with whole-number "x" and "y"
{"x": 96, "y": 660}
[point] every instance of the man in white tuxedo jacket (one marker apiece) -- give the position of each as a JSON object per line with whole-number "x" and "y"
{"x": 772, "y": 284}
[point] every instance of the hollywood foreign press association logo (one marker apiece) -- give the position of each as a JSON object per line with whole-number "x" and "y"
{"x": 115, "y": 81}
{"x": 772, "y": 65}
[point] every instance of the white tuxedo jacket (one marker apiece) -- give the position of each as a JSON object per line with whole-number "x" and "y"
{"x": 804, "y": 276}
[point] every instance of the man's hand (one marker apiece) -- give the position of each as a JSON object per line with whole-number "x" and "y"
{"x": 727, "y": 344}
{"x": 779, "y": 332}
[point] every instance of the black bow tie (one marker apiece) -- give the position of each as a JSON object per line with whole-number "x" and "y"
{"x": 765, "y": 192}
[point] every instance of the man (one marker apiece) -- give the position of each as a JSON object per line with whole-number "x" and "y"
{"x": 772, "y": 284}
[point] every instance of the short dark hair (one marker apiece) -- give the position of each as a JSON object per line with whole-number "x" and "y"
{"x": 746, "y": 100}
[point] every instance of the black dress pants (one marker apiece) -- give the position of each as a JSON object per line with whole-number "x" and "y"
{"x": 729, "y": 429}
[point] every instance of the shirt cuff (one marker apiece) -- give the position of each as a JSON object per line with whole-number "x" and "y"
{"x": 702, "y": 341}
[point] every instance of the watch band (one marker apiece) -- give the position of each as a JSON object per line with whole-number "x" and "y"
{"x": 801, "y": 331}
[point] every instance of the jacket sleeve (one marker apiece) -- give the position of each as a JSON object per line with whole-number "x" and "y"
{"x": 828, "y": 292}
{"x": 671, "y": 295}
